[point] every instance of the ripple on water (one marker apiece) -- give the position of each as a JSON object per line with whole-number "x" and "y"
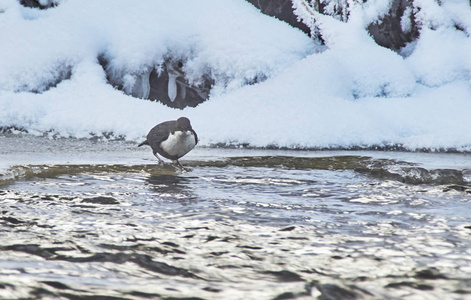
{"x": 268, "y": 228}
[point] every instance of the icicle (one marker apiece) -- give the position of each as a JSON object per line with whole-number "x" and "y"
{"x": 141, "y": 88}
{"x": 172, "y": 82}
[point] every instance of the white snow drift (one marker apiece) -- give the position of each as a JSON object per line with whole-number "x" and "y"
{"x": 350, "y": 92}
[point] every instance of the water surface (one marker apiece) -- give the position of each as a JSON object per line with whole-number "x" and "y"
{"x": 82, "y": 219}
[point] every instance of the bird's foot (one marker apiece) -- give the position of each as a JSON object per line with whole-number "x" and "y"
{"x": 180, "y": 166}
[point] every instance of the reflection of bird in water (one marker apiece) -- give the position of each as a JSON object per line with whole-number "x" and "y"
{"x": 167, "y": 183}
{"x": 172, "y": 188}
{"x": 172, "y": 139}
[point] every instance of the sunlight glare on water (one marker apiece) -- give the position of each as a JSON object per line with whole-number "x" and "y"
{"x": 254, "y": 227}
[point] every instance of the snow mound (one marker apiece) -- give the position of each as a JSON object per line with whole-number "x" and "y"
{"x": 272, "y": 85}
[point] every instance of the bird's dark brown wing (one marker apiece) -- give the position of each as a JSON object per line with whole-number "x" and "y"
{"x": 159, "y": 133}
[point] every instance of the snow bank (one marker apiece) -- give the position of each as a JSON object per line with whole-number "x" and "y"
{"x": 348, "y": 93}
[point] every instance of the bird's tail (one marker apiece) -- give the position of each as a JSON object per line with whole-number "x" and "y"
{"x": 143, "y": 143}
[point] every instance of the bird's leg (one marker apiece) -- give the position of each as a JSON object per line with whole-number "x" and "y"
{"x": 161, "y": 162}
{"x": 180, "y": 166}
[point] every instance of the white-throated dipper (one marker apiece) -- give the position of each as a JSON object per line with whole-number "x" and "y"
{"x": 172, "y": 139}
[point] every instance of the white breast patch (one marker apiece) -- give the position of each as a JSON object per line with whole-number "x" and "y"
{"x": 179, "y": 143}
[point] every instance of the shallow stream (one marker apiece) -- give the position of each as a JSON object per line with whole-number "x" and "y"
{"x": 84, "y": 220}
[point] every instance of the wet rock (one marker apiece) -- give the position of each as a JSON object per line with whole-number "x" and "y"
{"x": 322, "y": 163}
{"x": 407, "y": 173}
{"x": 101, "y": 200}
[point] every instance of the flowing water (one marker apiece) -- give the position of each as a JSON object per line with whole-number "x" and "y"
{"x": 95, "y": 220}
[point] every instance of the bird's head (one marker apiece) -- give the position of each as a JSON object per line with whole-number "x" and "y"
{"x": 183, "y": 124}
